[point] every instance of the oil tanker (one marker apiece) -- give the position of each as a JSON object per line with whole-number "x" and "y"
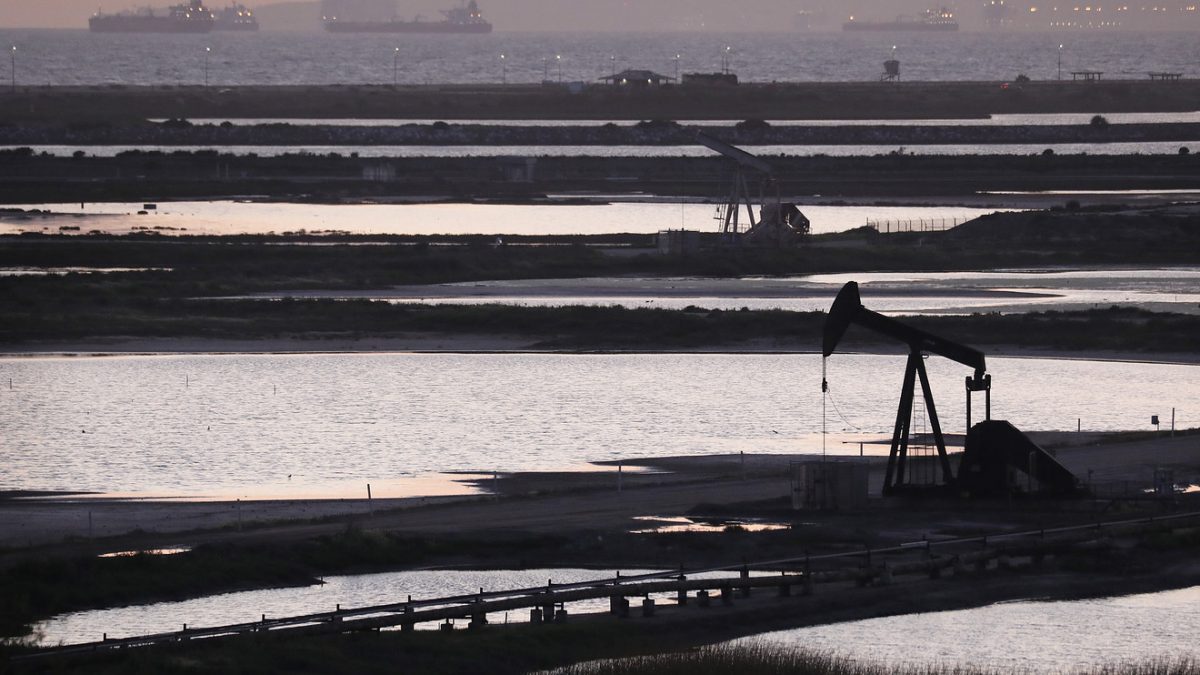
{"x": 189, "y": 17}
{"x": 236, "y": 17}
{"x": 934, "y": 20}
{"x": 467, "y": 19}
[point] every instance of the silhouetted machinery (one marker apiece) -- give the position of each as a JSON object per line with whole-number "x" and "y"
{"x": 994, "y": 450}
{"x": 779, "y": 224}
{"x": 891, "y": 71}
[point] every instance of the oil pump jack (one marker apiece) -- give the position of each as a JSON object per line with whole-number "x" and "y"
{"x": 779, "y": 223}
{"x": 994, "y": 449}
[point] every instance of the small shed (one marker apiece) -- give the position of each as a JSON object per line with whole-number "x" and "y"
{"x": 380, "y": 172}
{"x": 637, "y": 78}
{"x": 678, "y": 242}
{"x": 519, "y": 169}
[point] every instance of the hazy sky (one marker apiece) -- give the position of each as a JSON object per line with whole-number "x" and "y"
{"x": 518, "y": 14}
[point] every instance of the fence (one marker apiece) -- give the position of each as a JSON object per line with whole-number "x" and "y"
{"x": 547, "y": 603}
{"x": 915, "y": 225}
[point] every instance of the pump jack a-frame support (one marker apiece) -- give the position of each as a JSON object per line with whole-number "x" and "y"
{"x": 744, "y": 164}
{"x": 848, "y": 309}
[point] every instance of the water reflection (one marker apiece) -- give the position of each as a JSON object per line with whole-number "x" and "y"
{"x": 766, "y": 151}
{"x": 678, "y": 524}
{"x": 364, "y": 590}
{"x": 1161, "y": 289}
{"x": 1032, "y": 119}
{"x": 148, "y": 551}
{"x": 1019, "y": 637}
{"x": 242, "y": 424}
{"x": 251, "y": 217}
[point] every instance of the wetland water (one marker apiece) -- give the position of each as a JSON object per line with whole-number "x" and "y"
{"x": 1165, "y": 289}
{"x": 254, "y": 217}
{"x": 363, "y": 590}
{"x": 299, "y": 426}
{"x": 1022, "y": 637}
{"x": 764, "y": 151}
{"x": 1040, "y": 119}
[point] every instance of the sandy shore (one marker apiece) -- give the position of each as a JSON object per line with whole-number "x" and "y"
{"x": 529, "y": 502}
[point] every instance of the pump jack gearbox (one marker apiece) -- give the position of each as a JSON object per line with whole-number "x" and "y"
{"x": 993, "y": 450}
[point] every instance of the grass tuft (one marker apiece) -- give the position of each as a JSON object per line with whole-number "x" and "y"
{"x": 768, "y": 659}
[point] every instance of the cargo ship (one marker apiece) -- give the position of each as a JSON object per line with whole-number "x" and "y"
{"x": 236, "y": 18}
{"x": 467, "y": 19}
{"x": 933, "y": 20}
{"x": 190, "y": 17}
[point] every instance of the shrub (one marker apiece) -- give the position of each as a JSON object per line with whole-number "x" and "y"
{"x": 657, "y": 124}
{"x": 753, "y": 125}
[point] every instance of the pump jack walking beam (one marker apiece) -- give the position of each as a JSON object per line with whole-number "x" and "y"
{"x": 848, "y": 309}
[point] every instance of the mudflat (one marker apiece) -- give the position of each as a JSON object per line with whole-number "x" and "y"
{"x": 548, "y": 503}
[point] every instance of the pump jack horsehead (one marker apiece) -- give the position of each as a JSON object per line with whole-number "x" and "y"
{"x": 993, "y": 448}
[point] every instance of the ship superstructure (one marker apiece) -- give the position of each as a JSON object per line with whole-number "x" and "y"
{"x": 237, "y": 17}
{"x": 189, "y": 17}
{"x": 466, "y": 19}
{"x": 1168, "y": 16}
{"x": 941, "y": 19}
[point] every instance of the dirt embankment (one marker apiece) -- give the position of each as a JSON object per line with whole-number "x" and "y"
{"x": 813, "y": 100}
{"x": 27, "y": 176}
{"x": 665, "y": 133}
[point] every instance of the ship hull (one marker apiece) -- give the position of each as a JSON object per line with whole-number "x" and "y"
{"x": 236, "y": 27}
{"x": 146, "y": 24}
{"x": 871, "y": 26}
{"x": 408, "y": 27}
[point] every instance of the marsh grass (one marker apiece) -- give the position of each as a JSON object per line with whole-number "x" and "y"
{"x": 768, "y": 659}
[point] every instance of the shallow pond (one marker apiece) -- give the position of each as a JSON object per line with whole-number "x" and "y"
{"x": 254, "y": 217}
{"x": 1008, "y": 291}
{"x": 1022, "y": 637}
{"x": 326, "y": 424}
{"x": 765, "y": 151}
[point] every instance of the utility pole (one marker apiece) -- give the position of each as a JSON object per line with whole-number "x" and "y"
{"x": 207, "y": 51}
{"x": 1060, "y": 48}
{"x": 14, "y": 69}
{"x": 395, "y": 66}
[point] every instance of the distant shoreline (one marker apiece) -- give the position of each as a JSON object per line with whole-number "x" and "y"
{"x": 484, "y": 344}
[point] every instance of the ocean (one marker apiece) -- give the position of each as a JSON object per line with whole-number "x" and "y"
{"x": 77, "y": 57}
